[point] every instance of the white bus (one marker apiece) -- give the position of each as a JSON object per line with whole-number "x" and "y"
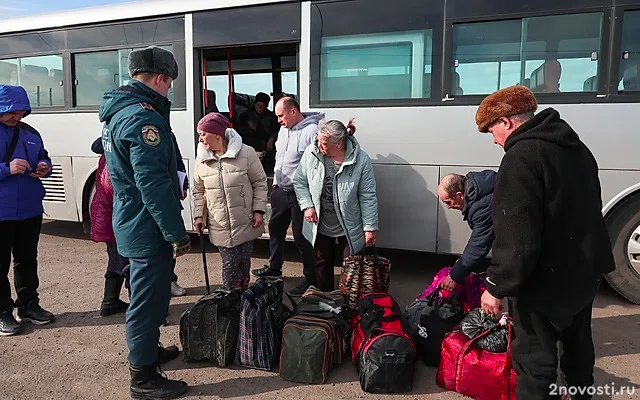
{"x": 412, "y": 73}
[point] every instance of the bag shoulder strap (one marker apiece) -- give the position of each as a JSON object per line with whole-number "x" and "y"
{"x": 12, "y": 145}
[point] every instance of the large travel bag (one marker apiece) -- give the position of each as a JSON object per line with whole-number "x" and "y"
{"x": 384, "y": 352}
{"x": 474, "y": 372}
{"x": 262, "y": 318}
{"x": 209, "y": 329}
{"x": 364, "y": 273}
{"x": 429, "y": 320}
{"x": 314, "y": 337}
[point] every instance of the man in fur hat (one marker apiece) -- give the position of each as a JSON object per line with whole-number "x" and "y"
{"x": 551, "y": 245}
{"x": 148, "y": 226}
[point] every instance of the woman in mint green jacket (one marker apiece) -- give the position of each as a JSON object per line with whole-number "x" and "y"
{"x": 336, "y": 189}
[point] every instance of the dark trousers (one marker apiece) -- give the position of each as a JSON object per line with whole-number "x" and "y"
{"x": 284, "y": 211}
{"x": 150, "y": 282}
{"x": 326, "y": 255}
{"x": 117, "y": 265}
{"x": 535, "y": 353}
{"x": 21, "y": 239}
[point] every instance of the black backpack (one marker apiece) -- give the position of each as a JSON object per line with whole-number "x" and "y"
{"x": 209, "y": 329}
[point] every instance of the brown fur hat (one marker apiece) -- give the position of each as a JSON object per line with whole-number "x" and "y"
{"x": 512, "y": 100}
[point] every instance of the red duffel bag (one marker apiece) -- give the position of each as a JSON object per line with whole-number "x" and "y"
{"x": 474, "y": 372}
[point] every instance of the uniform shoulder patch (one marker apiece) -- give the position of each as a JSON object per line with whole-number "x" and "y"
{"x": 150, "y": 135}
{"x": 147, "y": 106}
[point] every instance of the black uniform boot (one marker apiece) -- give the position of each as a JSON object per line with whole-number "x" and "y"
{"x": 148, "y": 384}
{"x": 111, "y": 303}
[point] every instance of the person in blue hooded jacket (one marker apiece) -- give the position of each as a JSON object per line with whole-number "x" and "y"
{"x": 472, "y": 194}
{"x": 23, "y": 161}
{"x": 148, "y": 226}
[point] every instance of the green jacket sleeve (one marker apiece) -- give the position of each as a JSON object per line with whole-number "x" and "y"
{"x": 151, "y": 163}
{"x": 301, "y": 182}
{"x": 367, "y": 194}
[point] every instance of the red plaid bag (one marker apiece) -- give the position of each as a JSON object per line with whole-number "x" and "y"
{"x": 476, "y": 373}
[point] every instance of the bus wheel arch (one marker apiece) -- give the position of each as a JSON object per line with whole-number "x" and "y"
{"x": 623, "y": 224}
{"x": 88, "y": 191}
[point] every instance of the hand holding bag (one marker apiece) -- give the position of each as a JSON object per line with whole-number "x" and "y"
{"x": 364, "y": 273}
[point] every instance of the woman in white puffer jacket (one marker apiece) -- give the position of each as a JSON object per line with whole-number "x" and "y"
{"x": 230, "y": 196}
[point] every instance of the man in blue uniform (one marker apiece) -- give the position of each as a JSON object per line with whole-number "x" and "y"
{"x": 149, "y": 229}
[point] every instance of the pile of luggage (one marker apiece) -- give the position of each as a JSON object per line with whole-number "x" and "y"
{"x": 263, "y": 327}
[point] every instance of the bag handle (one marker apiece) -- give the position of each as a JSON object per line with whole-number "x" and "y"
{"x": 12, "y": 146}
{"x": 466, "y": 346}
{"x": 292, "y": 301}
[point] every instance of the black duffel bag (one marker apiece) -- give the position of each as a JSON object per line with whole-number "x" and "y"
{"x": 209, "y": 329}
{"x": 430, "y": 319}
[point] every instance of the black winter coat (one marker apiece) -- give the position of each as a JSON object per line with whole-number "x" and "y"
{"x": 478, "y": 196}
{"x": 551, "y": 247}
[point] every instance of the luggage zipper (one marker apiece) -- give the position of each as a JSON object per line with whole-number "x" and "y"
{"x": 375, "y": 338}
{"x": 226, "y": 205}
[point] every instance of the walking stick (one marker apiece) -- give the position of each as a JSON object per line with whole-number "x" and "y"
{"x": 204, "y": 262}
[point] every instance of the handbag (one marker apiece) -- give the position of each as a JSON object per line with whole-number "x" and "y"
{"x": 477, "y": 373}
{"x": 364, "y": 273}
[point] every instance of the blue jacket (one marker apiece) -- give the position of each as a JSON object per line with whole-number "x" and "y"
{"x": 354, "y": 192}
{"x": 142, "y": 160}
{"x": 20, "y": 195}
{"x": 478, "y": 197}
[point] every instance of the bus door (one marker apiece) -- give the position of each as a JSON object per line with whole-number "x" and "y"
{"x": 244, "y": 83}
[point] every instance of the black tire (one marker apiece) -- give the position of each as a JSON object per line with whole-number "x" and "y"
{"x": 86, "y": 220}
{"x": 622, "y": 224}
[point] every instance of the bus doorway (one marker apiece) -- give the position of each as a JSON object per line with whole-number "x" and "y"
{"x": 244, "y": 83}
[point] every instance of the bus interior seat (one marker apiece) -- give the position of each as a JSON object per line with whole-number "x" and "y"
{"x": 211, "y": 99}
{"x": 5, "y": 71}
{"x": 36, "y": 81}
{"x": 457, "y": 90}
{"x": 546, "y": 78}
{"x": 630, "y": 77}
{"x": 426, "y": 85}
{"x": 590, "y": 84}
{"x": 57, "y": 91}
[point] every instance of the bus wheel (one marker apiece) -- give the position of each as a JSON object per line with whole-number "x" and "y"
{"x": 624, "y": 230}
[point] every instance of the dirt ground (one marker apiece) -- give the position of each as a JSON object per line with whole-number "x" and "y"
{"x": 83, "y": 356}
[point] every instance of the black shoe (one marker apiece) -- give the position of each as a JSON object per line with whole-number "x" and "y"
{"x": 147, "y": 383}
{"x": 8, "y": 324}
{"x": 166, "y": 354}
{"x": 300, "y": 289}
{"x": 266, "y": 272}
{"x": 34, "y": 313}
{"x": 111, "y": 303}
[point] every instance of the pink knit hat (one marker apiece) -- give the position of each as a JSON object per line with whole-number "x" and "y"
{"x": 214, "y": 123}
